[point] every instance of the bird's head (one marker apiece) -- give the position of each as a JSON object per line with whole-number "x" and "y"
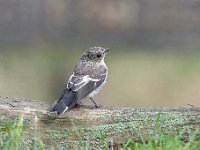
{"x": 95, "y": 54}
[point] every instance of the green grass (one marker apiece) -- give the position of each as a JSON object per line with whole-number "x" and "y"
{"x": 11, "y": 134}
{"x": 165, "y": 142}
{"x": 14, "y": 136}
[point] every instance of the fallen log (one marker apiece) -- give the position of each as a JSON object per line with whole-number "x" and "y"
{"x": 87, "y": 123}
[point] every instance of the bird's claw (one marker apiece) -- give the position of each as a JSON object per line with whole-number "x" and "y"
{"x": 98, "y": 106}
{"x": 78, "y": 105}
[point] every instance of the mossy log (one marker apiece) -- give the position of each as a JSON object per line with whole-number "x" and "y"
{"x": 87, "y": 122}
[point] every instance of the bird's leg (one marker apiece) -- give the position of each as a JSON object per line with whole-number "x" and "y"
{"x": 78, "y": 104}
{"x": 95, "y": 104}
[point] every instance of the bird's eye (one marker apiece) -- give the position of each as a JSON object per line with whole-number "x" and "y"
{"x": 98, "y": 55}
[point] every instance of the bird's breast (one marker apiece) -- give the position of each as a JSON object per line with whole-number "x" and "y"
{"x": 92, "y": 69}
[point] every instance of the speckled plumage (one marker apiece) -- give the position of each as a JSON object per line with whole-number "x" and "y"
{"x": 90, "y": 74}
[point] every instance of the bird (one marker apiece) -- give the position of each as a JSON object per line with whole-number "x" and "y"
{"x": 89, "y": 75}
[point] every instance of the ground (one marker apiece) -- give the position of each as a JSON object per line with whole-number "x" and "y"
{"x": 106, "y": 127}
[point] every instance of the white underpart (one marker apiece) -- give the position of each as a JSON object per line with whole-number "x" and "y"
{"x": 102, "y": 62}
{"x": 99, "y": 88}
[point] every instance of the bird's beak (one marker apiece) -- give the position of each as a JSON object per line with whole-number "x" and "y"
{"x": 106, "y": 50}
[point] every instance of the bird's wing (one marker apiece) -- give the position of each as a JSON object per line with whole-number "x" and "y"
{"x": 84, "y": 85}
{"x": 76, "y": 89}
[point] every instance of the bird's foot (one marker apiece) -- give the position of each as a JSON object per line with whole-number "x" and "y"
{"x": 78, "y": 105}
{"x": 98, "y": 106}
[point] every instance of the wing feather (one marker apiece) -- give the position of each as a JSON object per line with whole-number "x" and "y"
{"x": 77, "y": 88}
{"x": 84, "y": 85}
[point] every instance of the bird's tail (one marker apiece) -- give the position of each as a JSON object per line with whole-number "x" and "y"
{"x": 64, "y": 102}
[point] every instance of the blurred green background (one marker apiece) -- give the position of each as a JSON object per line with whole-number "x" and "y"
{"x": 155, "y": 57}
